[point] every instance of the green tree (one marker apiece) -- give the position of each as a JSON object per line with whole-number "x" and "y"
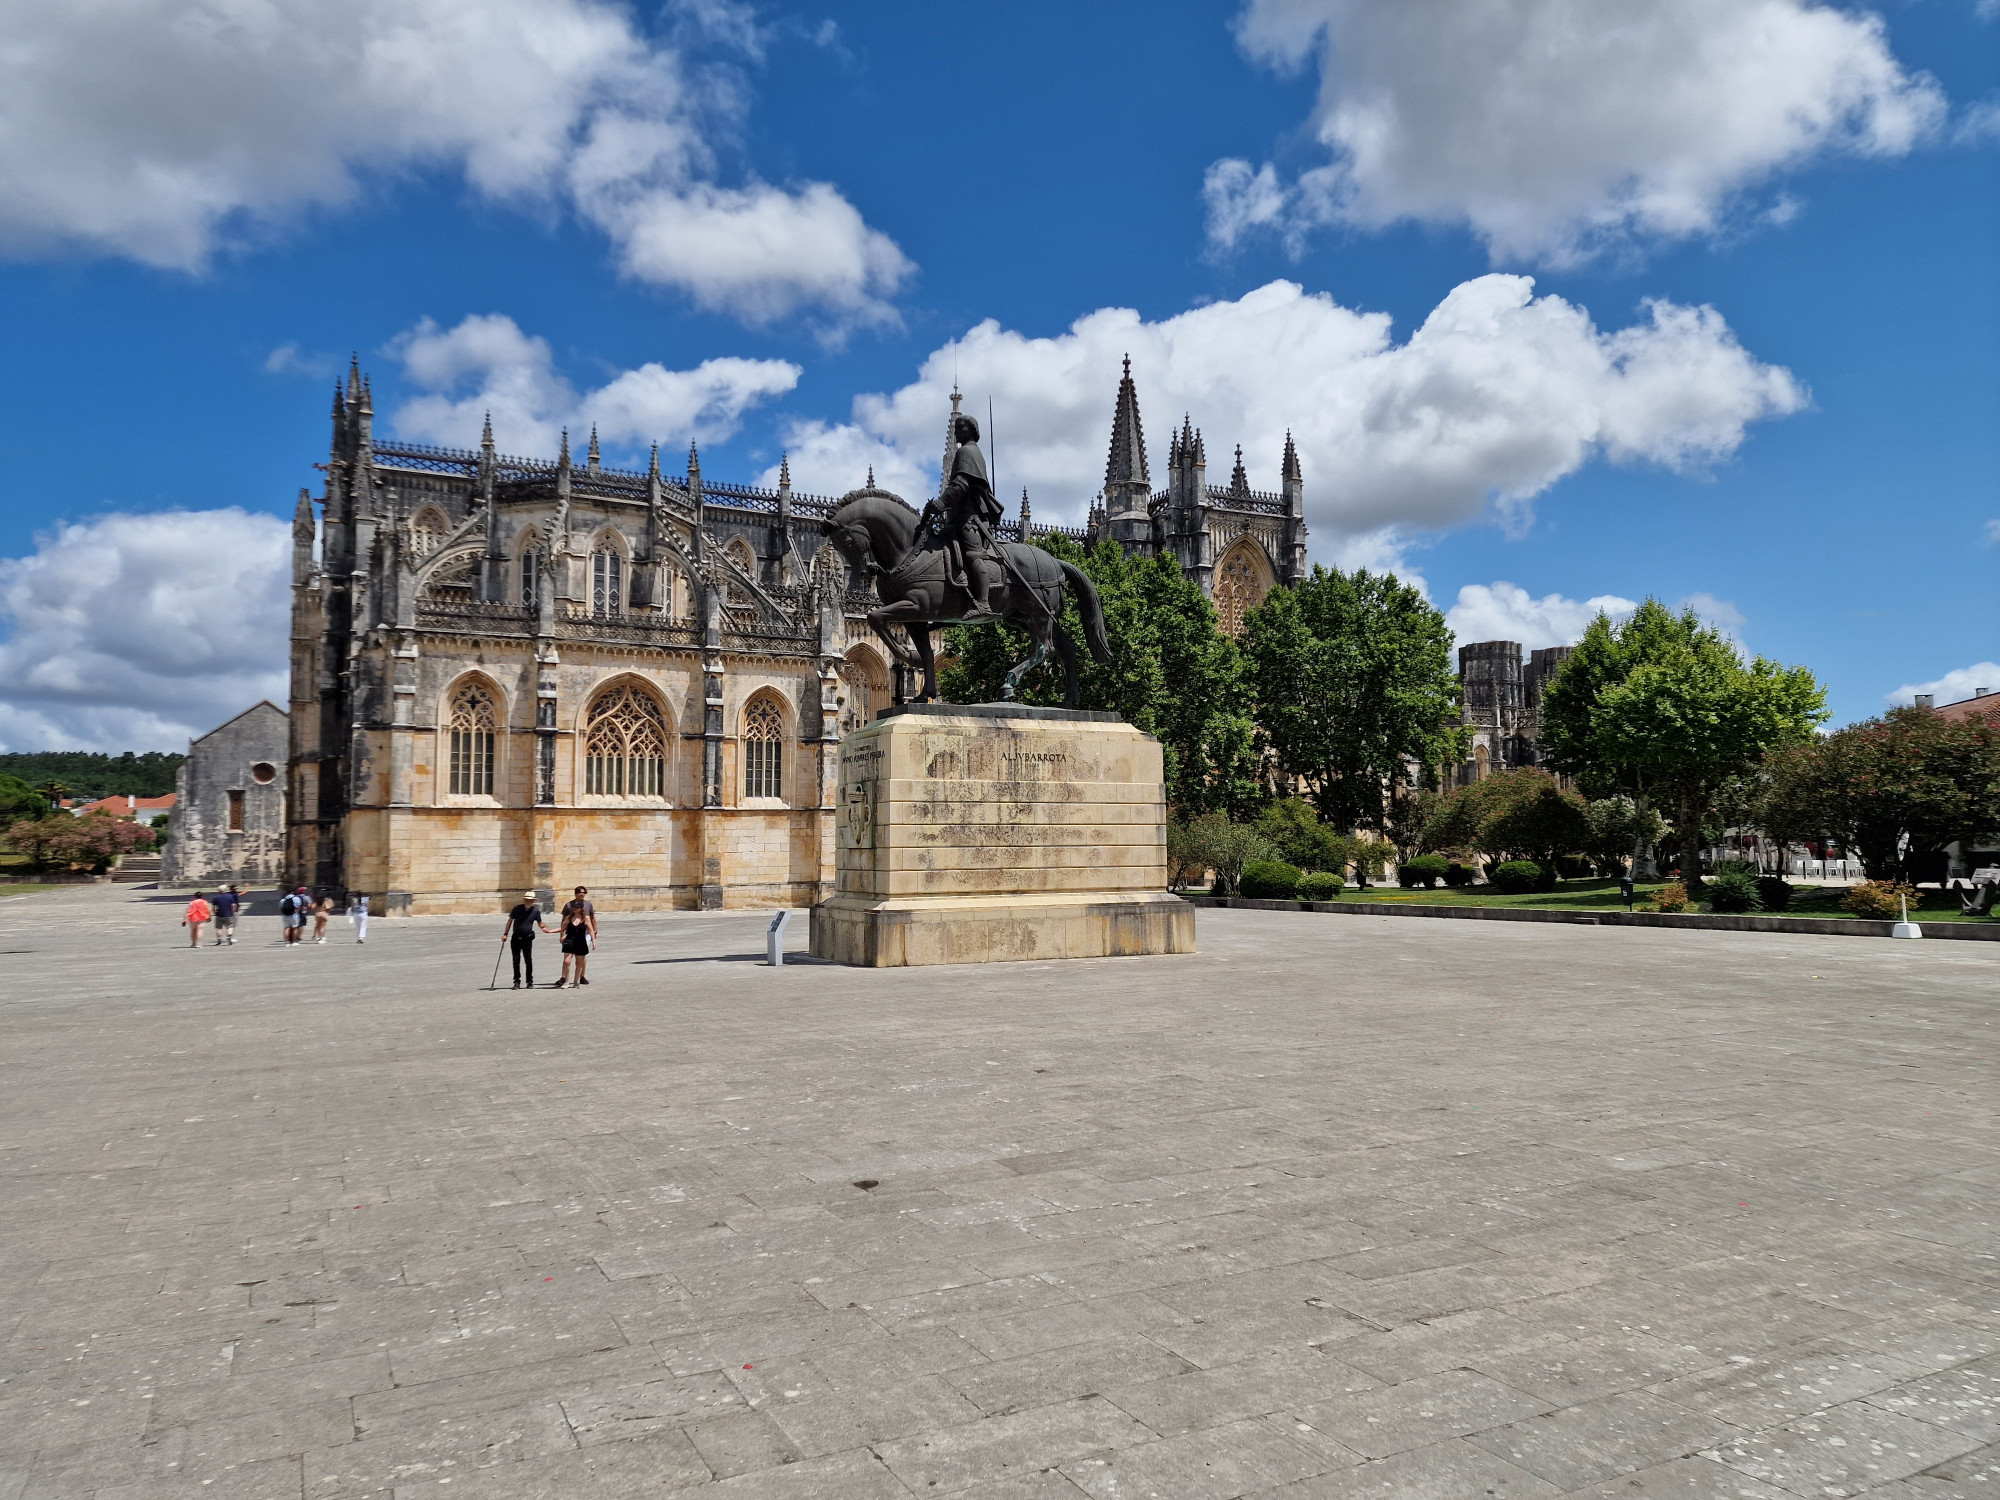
{"x": 1897, "y": 790}
{"x": 18, "y": 800}
{"x": 1352, "y": 683}
{"x": 1619, "y": 825}
{"x": 1172, "y": 673}
{"x": 1296, "y": 832}
{"x": 1665, "y": 709}
{"x": 1520, "y": 814}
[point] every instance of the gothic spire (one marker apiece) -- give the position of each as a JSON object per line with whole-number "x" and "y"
{"x": 871, "y": 476}
{"x": 354, "y": 377}
{"x": 784, "y": 471}
{"x": 1291, "y": 470}
{"x": 694, "y": 462}
{"x": 486, "y": 434}
{"x": 367, "y": 403}
{"x": 1127, "y": 464}
{"x": 562, "y": 458}
{"x": 653, "y": 464}
{"x": 592, "y": 459}
{"x": 1239, "y": 482}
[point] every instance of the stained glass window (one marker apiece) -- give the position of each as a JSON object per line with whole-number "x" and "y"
{"x": 763, "y": 750}
{"x": 472, "y": 731}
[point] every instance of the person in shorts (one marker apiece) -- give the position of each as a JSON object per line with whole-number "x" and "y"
{"x": 322, "y": 909}
{"x": 523, "y": 922}
{"x": 579, "y": 936}
{"x": 198, "y": 913}
{"x": 227, "y": 901}
{"x": 293, "y": 910}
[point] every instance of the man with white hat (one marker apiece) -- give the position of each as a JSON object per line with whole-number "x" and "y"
{"x": 522, "y": 924}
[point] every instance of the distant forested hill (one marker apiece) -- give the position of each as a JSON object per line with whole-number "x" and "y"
{"x": 91, "y": 776}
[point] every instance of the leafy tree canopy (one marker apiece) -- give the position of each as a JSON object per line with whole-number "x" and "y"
{"x": 1896, "y": 790}
{"x": 1352, "y": 679}
{"x": 90, "y": 776}
{"x": 1665, "y": 708}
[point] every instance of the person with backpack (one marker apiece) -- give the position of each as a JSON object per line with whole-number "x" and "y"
{"x": 198, "y": 913}
{"x": 292, "y": 908}
{"x": 579, "y": 936}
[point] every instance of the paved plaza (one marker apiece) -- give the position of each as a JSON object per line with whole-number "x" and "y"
{"x": 1337, "y": 1207}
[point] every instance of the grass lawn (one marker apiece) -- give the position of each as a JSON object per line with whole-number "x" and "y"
{"x": 7, "y": 889}
{"x": 1602, "y": 895}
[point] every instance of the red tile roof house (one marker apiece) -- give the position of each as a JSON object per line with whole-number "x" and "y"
{"x": 139, "y": 809}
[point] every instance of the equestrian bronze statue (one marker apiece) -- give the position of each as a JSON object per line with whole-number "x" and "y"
{"x": 947, "y": 567}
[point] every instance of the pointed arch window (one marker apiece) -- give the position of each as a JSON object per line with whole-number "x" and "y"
{"x": 426, "y": 532}
{"x": 1238, "y": 590}
{"x": 763, "y": 750}
{"x": 531, "y": 578}
{"x": 472, "y": 727}
{"x": 625, "y": 745}
{"x": 607, "y": 582}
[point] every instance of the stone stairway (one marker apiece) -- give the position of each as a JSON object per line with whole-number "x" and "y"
{"x": 136, "y": 869}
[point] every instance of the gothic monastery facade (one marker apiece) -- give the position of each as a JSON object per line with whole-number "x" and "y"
{"x": 512, "y": 674}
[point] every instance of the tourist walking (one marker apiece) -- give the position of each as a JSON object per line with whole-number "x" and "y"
{"x": 227, "y": 900}
{"x": 292, "y": 908}
{"x": 198, "y": 913}
{"x": 322, "y": 909}
{"x": 357, "y": 915}
{"x": 579, "y": 937}
{"x": 523, "y": 922}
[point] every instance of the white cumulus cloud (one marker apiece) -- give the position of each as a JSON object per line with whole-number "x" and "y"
{"x": 487, "y": 364}
{"x": 1967, "y": 682}
{"x": 162, "y": 130}
{"x": 1497, "y": 395}
{"x": 1507, "y": 612}
{"x": 137, "y": 632}
{"x": 1556, "y": 128}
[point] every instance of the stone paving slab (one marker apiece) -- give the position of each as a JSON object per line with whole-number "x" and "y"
{"x": 1327, "y": 1209}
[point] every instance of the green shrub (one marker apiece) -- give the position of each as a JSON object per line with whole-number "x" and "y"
{"x": 1882, "y": 899}
{"x": 1320, "y": 885}
{"x": 1732, "y": 891}
{"x": 1517, "y": 877}
{"x": 1573, "y": 867}
{"x": 1425, "y": 870}
{"x": 1270, "y": 880}
{"x": 1457, "y": 876}
{"x": 1774, "y": 893}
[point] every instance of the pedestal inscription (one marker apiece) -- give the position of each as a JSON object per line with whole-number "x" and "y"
{"x": 986, "y": 833}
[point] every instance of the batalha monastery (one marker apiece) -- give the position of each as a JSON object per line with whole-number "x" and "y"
{"x": 512, "y": 674}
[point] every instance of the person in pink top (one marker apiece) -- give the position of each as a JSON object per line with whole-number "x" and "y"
{"x": 198, "y": 914}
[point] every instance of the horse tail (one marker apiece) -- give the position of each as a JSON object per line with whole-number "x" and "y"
{"x": 1092, "y": 612}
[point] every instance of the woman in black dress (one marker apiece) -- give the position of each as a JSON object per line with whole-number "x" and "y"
{"x": 579, "y": 936}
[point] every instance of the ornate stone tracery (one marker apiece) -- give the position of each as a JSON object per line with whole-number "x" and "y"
{"x": 471, "y": 729}
{"x": 625, "y": 745}
{"x": 1239, "y": 588}
{"x": 763, "y": 750}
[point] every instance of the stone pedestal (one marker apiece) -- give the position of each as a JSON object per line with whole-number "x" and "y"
{"x": 977, "y": 833}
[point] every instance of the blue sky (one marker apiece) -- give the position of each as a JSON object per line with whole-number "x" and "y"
{"x": 1568, "y": 300}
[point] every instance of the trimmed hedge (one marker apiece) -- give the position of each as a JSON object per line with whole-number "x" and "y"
{"x": 1425, "y": 870}
{"x": 1517, "y": 877}
{"x": 1457, "y": 875}
{"x": 1320, "y": 885}
{"x": 1732, "y": 892}
{"x": 1269, "y": 880}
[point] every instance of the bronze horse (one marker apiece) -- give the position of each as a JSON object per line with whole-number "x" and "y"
{"x": 877, "y": 534}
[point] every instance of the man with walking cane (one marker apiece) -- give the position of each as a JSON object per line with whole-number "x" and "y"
{"x": 522, "y": 924}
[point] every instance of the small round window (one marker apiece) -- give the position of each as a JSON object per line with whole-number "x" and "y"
{"x": 263, "y": 773}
